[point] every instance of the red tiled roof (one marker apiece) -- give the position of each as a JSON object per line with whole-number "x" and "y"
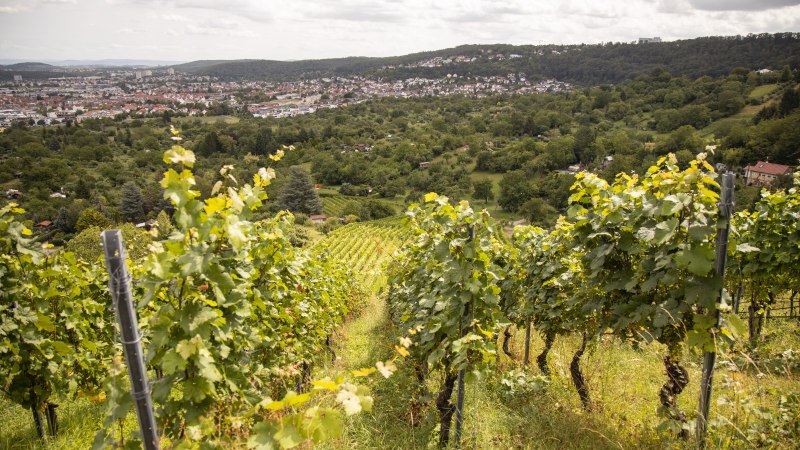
{"x": 769, "y": 168}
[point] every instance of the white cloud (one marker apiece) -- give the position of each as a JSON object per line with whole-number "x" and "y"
{"x": 674, "y": 7}
{"x": 219, "y": 27}
{"x": 175, "y": 18}
{"x": 741, "y": 5}
{"x": 12, "y": 7}
{"x": 280, "y": 29}
{"x": 249, "y": 9}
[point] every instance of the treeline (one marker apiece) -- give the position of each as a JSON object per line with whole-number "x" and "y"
{"x": 584, "y": 64}
{"x": 713, "y": 56}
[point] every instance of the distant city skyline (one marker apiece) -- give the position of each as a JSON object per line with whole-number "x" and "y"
{"x": 186, "y": 30}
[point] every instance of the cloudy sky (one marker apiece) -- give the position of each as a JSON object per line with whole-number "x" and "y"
{"x": 184, "y": 30}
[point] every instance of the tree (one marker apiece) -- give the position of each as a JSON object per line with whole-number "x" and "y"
{"x": 786, "y": 74}
{"x": 683, "y": 138}
{"x": 210, "y": 144}
{"x": 482, "y": 189}
{"x": 391, "y": 188}
{"x": 82, "y": 189}
{"x": 789, "y": 102}
{"x": 374, "y": 210}
{"x": 91, "y": 217}
{"x": 298, "y": 194}
{"x": 86, "y": 244}
{"x": 62, "y": 221}
{"x": 515, "y": 190}
{"x": 582, "y": 146}
{"x": 539, "y": 212}
{"x": 132, "y": 207}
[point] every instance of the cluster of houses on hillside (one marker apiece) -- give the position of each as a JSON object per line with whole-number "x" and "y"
{"x": 484, "y": 55}
{"x": 147, "y": 92}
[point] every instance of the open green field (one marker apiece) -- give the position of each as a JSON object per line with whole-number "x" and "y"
{"x": 763, "y": 90}
{"x": 207, "y": 119}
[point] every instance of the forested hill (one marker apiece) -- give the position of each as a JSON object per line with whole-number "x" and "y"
{"x": 583, "y": 64}
{"x": 283, "y": 70}
{"x": 28, "y": 67}
{"x": 35, "y": 71}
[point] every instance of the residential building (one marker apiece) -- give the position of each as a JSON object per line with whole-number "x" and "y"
{"x": 764, "y": 173}
{"x": 649, "y": 40}
{"x": 318, "y": 218}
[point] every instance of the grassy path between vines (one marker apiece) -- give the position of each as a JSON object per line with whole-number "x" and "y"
{"x": 550, "y": 419}
{"x": 624, "y": 383}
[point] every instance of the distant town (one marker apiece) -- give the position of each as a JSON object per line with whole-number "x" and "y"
{"x": 126, "y": 92}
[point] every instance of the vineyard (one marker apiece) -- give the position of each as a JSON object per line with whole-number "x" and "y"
{"x": 232, "y": 315}
{"x": 336, "y": 205}
{"x": 332, "y": 206}
{"x": 547, "y": 338}
{"x": 364, "y": 248}
{"x": 641, "y": 260}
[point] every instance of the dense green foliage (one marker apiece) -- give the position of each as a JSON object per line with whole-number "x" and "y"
{"x": 55, "y": 324}
{"x": 768, "y": 251}
{"x": 222, "y": 296}
{"x": 648, "y": 248}
{"x": 230, "y": 311}
{"x": 634, "y": 257}
{"x": 86, "y": 244}
{"x": 445, "y": 288}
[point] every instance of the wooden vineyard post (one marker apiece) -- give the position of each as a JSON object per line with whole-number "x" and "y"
{"x": 461, "y": 374}
{"x": 725, "y": 211}
{"x": 120, "y": 287}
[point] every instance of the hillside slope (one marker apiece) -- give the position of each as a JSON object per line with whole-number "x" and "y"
{"x": 585, "y": 64}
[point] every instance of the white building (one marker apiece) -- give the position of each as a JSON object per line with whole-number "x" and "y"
{"x": 649, "y": 40}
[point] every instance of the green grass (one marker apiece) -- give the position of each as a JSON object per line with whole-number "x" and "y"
{"x": 493, "y": 177}
{"x": 207, "y": 119}
{"x": 763, "y": 90}
{"x": 79, "y": 421}
{"x": 750, "y": 110}
{"x": 624, "y": 385}
{"x": 711, "y": 130}
{"x": 494, "y": 209}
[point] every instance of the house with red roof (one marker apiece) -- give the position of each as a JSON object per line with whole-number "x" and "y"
{"x": 318, "y": 218}
{"x": 764, "y": 173}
